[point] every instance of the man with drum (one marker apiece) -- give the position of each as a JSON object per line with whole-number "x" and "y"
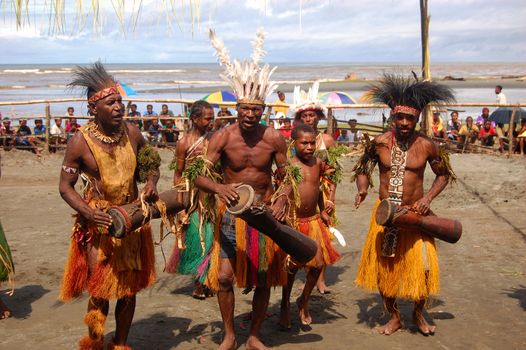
{"x": 247, "y": 151}
{"x": 402, "y": 263}
{"x": 106, "y": 153}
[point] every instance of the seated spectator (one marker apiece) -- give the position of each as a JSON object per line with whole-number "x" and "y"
{"x": 24, "y": 139}
{"x": 7, "y": 134}
{"x": 57, "y": 133}
{"x": 71, "y": 127}
{"x": 344, "y": 137}
{"x": 39, "y": 129}
{"x": 271, "y": 124}
{"x": 165, "y": 114}
{"x": 280, "y": 120}
{"x": 438, "y": 126}
{"x": 355, "y": 135}
{"x": 503, "y": 137}
{"x": 153, "y": 131}
{"x": 224, "y": 112}
{"x": 71, "y": 112}
{"x": 149, "y": 112}
{"x": 286, "y": 129}
{"x": 468, "y": 132}
{"x": 487, "y": 134}
{"x": 169, "y": 134}
{"x": 483, "y": 117}
{"x": 521, "y": 138}
{"x": 453, "y": 126}
{"x": 133, "y": 112}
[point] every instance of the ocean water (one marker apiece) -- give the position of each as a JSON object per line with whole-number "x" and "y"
{"x": 49, "y": 81}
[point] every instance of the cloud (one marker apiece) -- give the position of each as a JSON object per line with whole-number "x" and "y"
{"x": 330, "y": 31}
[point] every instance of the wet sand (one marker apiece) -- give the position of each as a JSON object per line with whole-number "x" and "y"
{"x": 482, "y": 303}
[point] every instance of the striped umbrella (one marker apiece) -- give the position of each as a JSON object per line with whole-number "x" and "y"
{"x": 336, "y": 98}
{"x": 218, "y": 97}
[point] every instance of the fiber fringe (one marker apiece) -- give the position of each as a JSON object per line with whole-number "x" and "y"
{"x": 86, "y": 343}
{"x": 409, "y": 275}
{"x": 95, "y": 320}
{"x": 314, "y": 228}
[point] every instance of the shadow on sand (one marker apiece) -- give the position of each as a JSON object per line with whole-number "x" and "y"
{"x": 20, "y": 302}
{"x": 519, "y": 294}
{"x": 373, "y": 313}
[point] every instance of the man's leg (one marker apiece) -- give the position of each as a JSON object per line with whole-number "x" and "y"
{"x": 420, "y": 321}
{"x": 303, "y": 301}
{"x": 123, "y": 316}
{"x": 322, "y": 287}
{"x": 394, "y": 323}
{"x": 226, "y": 299}
{"x": 95, "y": 320}
{"x": 284, "y": 317}
{"x": 259, "y": 311}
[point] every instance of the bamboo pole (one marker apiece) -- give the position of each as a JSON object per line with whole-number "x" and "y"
{"x": 330, "y": 121}
{"x": 48, "y": 126}
{"x": 426, "y": 70}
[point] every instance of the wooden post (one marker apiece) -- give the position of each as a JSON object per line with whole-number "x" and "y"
{"x": 426, "y": 70}
{"x": 510, "y": 133}
{"x": 330, "y": 121}
{"x": 48, "y": 126}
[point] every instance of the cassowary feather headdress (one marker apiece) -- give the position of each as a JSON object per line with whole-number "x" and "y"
{"x": 249, "y": 82}
{"x": 95, "y": 80}
{"x": 407, "y": 95}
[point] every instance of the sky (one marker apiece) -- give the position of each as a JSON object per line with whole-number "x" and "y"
{"x": 297, "y": 31}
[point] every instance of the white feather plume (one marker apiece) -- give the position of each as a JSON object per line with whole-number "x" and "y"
{"x": 221, "y": 51}
{"x": 257, "y": 45}
{"x": 247, "y": 79}
{"x": 304, "y": 100}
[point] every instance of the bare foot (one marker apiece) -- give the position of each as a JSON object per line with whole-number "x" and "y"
{"x": 303, "y": 312}
{"x": 284, "y": 316}
{"x": 424, "y": 327}
{"x": 253, "y": 343}
{"x": 392, "y": 326}
{"x": 4, "y": 311}
{"x": 198, "y": 292}
{"x": 322, "y": 288}
{"x": 229, "y": 343}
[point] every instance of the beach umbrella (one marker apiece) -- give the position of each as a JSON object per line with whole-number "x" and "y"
{"x": 503, "y": 115}
{"x": 336, "y": 98}
{"x": 218, "y": 97}
{"x": 125, "y": 90}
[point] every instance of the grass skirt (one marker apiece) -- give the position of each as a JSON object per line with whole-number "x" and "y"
{"x": 123, "y": 266}
{"x": 7, "y": 269}
{"x": 314, "y": 228}
{"x": 412, "y": 274}
{"x": 194, "y": 260}
{"x": 259, "y": 261}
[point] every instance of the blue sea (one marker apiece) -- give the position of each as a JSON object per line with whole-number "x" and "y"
{"x": 194, "y": 81}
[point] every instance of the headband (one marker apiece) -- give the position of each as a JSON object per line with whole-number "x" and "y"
{"x": 99, "y": 95}
{"x": 406, "y": 110}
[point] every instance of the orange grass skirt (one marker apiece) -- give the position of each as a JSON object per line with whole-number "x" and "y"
{"x": 315, "y": 229}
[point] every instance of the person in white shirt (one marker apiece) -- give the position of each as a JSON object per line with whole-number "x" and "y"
{"x": 501, "y": 98}
{"x": 355, "y": 135}
{"x": 57, "y": 130}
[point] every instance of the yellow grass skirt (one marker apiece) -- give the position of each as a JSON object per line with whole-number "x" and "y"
{"x": 412, "y": 274}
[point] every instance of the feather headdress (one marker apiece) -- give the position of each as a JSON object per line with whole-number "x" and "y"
{"x": 95, "y": 80}
{"x": 307, "y": 100}
{"x": 408, "y": 95}
{"x": 249, "y": 82}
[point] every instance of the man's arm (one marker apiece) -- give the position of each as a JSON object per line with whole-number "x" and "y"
{"x": 279, "y": 207}
{"x": 441, "y": 171}
{"x": 226, "y": 192}
{"x": 150, "y": 188}
{"x": 69, "y": 175}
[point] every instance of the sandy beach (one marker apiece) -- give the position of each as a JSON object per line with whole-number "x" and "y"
{"x": 481, "y": 305}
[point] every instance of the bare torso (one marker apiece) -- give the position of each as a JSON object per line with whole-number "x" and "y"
{"x": 421, "y": 150}
{"x": 309, "y": 188}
